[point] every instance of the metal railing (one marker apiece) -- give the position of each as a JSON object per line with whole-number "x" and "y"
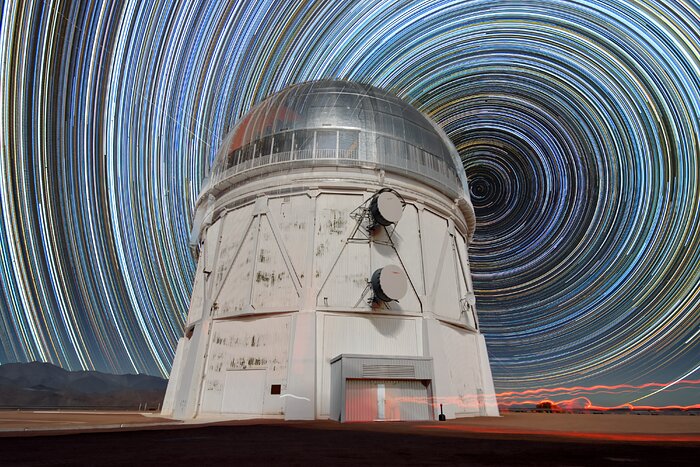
{"x": 415, "y": 160}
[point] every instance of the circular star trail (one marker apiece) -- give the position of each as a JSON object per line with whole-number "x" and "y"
{"x": 577, "y": 122}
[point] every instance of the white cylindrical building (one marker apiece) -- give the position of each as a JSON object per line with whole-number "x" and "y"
{"x": 333, "y": 278}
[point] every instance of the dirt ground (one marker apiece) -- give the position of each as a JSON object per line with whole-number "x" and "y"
{"x": 78, "y": 438}
{"x": 25, "y": 420}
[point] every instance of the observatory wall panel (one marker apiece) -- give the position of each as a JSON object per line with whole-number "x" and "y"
{"x": 333, "y": 227}
{"x": 446, "y": 286}
{"x": 197, "y": 299}
{"x": 490, "y": 404}
{"x": 461, "y": 352}
{"x": 175, "y": 377}
{"x": 190, "y": 371}
{"x": 364, "y": 335}
{"x": 337, "y": 395}
{"x": 294, "y": 217}
{"x": 347, "y": 279}
{"x": 273, "y": 285}
{"x": 433, "y": 233}
{"x": 464, "y": 256}
{"x": 212, "y": 394}
{"x": 462, "y": 267}
{"x": 247, "y": 344}
{"x": 465, "y": 280}
{"x": 211, "y": 245}
{"x": 236, "y": 224}
{"x": 406, "y": 238}
{"x": 234, "y": 294}
{"x": 383, "y": 254}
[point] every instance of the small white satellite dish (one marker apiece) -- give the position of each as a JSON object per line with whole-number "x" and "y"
{"x": 471, "y": 299}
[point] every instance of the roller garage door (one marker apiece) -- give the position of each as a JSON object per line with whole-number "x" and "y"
{"x": 386, "y": 399}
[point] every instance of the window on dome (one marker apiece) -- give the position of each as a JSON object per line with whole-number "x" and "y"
{"x": 348, "y": 144}
{"x": 391, "y": 151}
{"x": 303, "y": 144}
{"x": 416, "y": 157}
{"x": 432, "y": 143}
{"x": 263, "y": 147}
{"x": 326, "y": 143}
{"x": 432, "y": 161}
{"x": 282, "y": 147}
{"x": 282, "y": 142}
{"x": 384, "y": 123}
{"x": 246, "y": 153}
{"x": 232, "y": 158}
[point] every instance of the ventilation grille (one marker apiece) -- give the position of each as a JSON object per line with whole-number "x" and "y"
{"x": 388, "y": 371}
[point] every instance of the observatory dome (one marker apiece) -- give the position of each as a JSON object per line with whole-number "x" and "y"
{"x": 331, "y": 239}
{"x": 337, "y": 123}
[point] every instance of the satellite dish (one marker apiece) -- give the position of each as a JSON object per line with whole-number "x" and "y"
{"x": 471, "y": 299}
{"x": 389, "y": 283}
{"x": 386, "y": 208}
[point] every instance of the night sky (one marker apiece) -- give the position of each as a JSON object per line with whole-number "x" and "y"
{"x": 578, "y": 123}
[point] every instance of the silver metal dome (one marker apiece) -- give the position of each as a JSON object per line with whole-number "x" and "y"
{"x": 322, "y": 123}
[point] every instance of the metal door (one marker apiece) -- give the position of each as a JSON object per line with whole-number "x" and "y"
{"x": 407, "y": 400}
{"x": 244, "y": 391}
{"x": 360, "y": 400}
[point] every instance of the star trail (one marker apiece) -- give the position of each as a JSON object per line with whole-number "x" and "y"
{"x": 578, "y": 123}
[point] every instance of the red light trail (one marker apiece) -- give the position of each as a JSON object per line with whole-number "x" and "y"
{"x": 582, "y": 396}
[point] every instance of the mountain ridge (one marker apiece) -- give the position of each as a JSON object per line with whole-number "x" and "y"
{"x": 44, "y": 385}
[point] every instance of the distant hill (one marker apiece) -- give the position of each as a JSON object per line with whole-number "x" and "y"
{"x": 43, "y": 385}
